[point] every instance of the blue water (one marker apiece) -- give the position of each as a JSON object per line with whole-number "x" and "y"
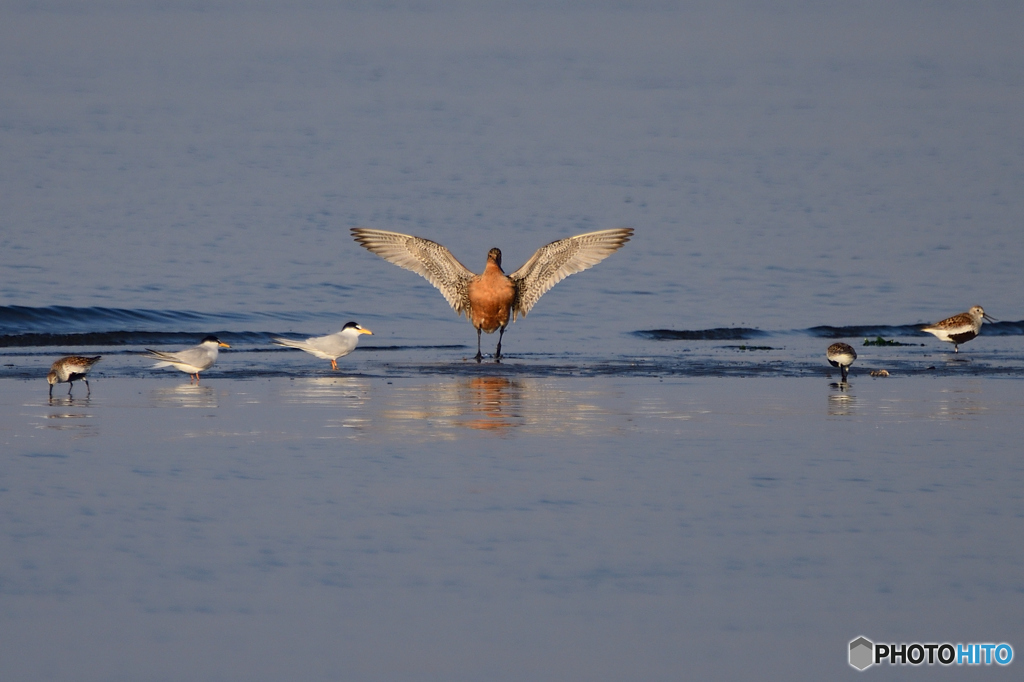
{"x": 661, "y": 479}
{"x": 784, "y": 167}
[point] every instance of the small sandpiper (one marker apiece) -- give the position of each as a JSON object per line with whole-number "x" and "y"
{"x": 70, "y": 369}
{"x": 841, "y": 355}
{"x": 959, "y": 328}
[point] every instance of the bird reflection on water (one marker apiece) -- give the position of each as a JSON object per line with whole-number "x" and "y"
{"x": 341, "y": 391}
{"x": 963, "y": 402}
{"x": 350, "y": 393}
{"x": 184, "y": 395}
{"x": 69, "y": 400}
{"x": 491, "y": 403}
{"x": 494, "y": 404}
{"x": 79, "y": 423}
{"x": 841, "y": 403}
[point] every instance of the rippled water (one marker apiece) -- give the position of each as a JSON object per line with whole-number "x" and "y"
{"x": 660, "y": 480}
{"x": 783, "y": 166}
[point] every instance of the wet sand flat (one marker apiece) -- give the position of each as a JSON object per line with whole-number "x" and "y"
{"x": 486, "y": 527}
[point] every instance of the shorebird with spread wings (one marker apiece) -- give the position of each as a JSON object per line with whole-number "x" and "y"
{"x": 493, "y": 299}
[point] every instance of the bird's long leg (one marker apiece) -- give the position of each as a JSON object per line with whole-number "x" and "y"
{"x": 479, "y": 355}
{"x": 497, "y": 352}
{"x": 51, "y": 390}
{"x": 88, "y": 388}
{"x": 845, "y": 371}
{"x": 334, "y": 364}
{"x": 956, "y": 347}
{"x": 71, "y": 385}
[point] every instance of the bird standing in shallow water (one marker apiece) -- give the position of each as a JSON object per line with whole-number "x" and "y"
{"x": 70, "y": 369}
{"x": 960, "y": 328}
{"x": 330, "y": 347}
{"x": 192, "y": 360}
{"x": 841, "y": 355}
{"x": 493, "y": 299}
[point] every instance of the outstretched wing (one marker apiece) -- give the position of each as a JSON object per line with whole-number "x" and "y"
{"x": 424, "y": 257}
{"x": 556, "y": 261}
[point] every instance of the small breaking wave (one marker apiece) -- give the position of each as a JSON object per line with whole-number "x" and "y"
{"x": 853, "y": 331}
{"x": 717, "y": 334}
{"x": 821, "y": 331}
{"x": 1004, "y": 328}
{"x": 22, "y": 326}
{"x": 59, "y": 319}
{"x": 127, "y": 338}
{"x": 866, "y": 331}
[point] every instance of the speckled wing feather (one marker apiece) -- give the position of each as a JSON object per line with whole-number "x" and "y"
{"x": 950, "y": 324}
{"x": 426, "y": 258}
{"x": 556, "y": 261}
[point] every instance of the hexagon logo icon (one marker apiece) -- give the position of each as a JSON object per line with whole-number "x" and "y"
{"x": 861, "y": 653}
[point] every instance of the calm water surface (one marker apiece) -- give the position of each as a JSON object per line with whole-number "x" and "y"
{"x": 502, "y": 528}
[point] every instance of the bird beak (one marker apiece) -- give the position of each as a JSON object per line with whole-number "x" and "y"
{"x": 989, "y": 317}
{"x": 364, "y": 330}
{"x": 223, "y": 345}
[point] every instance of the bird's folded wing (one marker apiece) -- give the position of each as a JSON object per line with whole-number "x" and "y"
{"x": 279, "y": 341}
{"x": 958, "y": 320}
{"x": 193, "y": 357}
{"x": 161, "y": 355}
{"x": 426, "y": 258}
{"x": 556, "y": 261}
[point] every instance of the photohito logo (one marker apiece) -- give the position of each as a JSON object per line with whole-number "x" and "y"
{"x": 864, "y": 653}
